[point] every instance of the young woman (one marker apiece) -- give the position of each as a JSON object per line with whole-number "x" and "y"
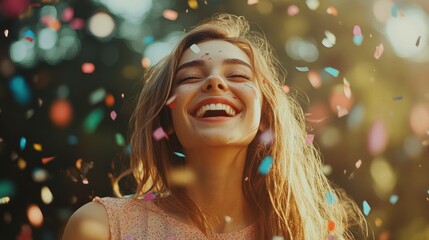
{"x": 219, "y": 151}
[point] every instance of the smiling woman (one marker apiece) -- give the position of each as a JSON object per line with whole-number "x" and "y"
{"x": 235, "y": 163}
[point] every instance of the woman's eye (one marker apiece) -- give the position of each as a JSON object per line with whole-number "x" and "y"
{"x": 190, "y": 77}
{"x": 239, "y": 76}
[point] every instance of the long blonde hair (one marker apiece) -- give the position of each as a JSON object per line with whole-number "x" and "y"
{"x": 294, "y": 200}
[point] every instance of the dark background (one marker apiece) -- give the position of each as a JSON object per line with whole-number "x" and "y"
{"x": 387, "y": 127}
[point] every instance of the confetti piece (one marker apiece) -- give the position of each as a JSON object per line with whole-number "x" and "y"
{"x": 347, "y": 90}
{"x": 159, "y": 134}
{"x": 171, "y": 102}
{"x": 265, "y": 165}
{"x": 228, "y": 219}
{"x": 314, "y": 78}
{"x": 170, "y": 14}
{"x": 113, "y": 115}
{"x": 312, "y": 4}
{"x": 366, "y": 208}
{"x": 310, "y": 138}
{"x": 356, "y": 30}
{"x": 342, "y": 111}
{"x": 46, "y": 195}
{"x": 93, "y": 119}
{"x": 358, "y": 40}
{"x": 145, "y": 62}
{"x": 331, "y": 226}
{"x": 22, "y": 143}
{"x": 97, "y": 96}
{"x": 358, "y": 164}
{"x": 39, "y": 175}
{"x": 332, "y": 71}
{"x": 46, "y": 160}
{"x": 292, "y": 10}
{"x": 302, "y": 69}
{"x": 327, "y": 170}
{"x": 330, "y": 198}
{"x": 377, "y": 138}
{"x": 109, "y": 100}
{"x": 266, "y": 137}
{"x": 331, "y": 237}
{"x": 286, "y": 88}
{"x": 393, "y": 199}
{"x": 88, "y": 67}
{"x": 67, "y": 14}
{"x": 7, "y": 188}
{"x": 148, "y": 40}
{"x": 77, "y": 24}
{"x": 4, "y": 200}
{"x": 29, "y": 36}
{"x": 85, "y": 181}
{"x": 195, "y": 48}
{"x": 418, "y": 41}
{"x": 330, "y": 39}
{"x": 20, "y": 90}
{"x": 378, "y": 51}
{"x": 61, "y": 113}
{"x": 252, "y": 2}
{"x": 120, "y": 140}
{"x": 179, "y": 154}
{"x": 150, "y": 196}
{"x": 34, "y": 215}
{"x": 37, "y": 147}
{"x": 277, "y": 238}
{"x": 128, "y": 237}
{"x": 332, "y": 11}
{"x": 6, "y": 32}
{"x": 22, "y": 164}
{"x": 394, "y": 10}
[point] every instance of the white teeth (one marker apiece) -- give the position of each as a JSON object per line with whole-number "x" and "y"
{"x": 218, "y": 106}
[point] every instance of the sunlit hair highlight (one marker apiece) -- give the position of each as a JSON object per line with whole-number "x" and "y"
{"x": 289, "y": 201}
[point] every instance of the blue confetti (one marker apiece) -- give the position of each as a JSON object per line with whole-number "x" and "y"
{"x": 394, "y": 10}
{"x": 29, "y": 36}
{"x": 20, "y": 89}
{"x": 22, "y": 143}
{"x": 72, "y": 139}
{"x": 148, "y": 40}
{"x": 265, "y": 166}
{"x": 357, "y": 40}
{"x": 366, "y": 208}
{"x": 302, "y": 69}
{"x": 180, "y": 154}
{"x": 393, "y": 199}
{"x": 334, "y": 72}
{"x": 330, "y": 198}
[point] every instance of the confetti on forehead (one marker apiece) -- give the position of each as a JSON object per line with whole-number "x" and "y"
{"x": 195, "y": 48}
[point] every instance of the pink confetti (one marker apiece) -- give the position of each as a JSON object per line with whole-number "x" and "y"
{"x": 266, "y": 137}
{"x": 88, "y": 68}
{"x": 252, "y": 2}
{"x": 377, "y": 138}
{"x": 358, "y": 164}
{"x": 342, "y": 111}
{"x": 159, "y": 134}
{"x": 310, "y": 138}
{"x": 356, "y": 30}
{"x": 150, "y": 196}
{"x": 77, "y": 23}
{"x": 113, "y": 115}
{"x": 170, "y": 14}
{"x": 378, "y": 51}
{"x": 68, "y": 14}
{"x": 292, "y": 10}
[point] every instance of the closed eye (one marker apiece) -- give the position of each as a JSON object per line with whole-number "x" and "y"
{"x": 190, "y": 77}
{"x": 239, "y": 75}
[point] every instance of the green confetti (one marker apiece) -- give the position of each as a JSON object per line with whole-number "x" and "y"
{"x": 97, "y": 96}
{"x": 93, "y": 119}
{"x": 120, "y": 140}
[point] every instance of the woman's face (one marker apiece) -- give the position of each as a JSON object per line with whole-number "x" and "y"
{"x": 218, "y": 100}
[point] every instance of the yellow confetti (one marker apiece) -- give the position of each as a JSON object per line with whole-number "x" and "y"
{"x": 37, "y": 147}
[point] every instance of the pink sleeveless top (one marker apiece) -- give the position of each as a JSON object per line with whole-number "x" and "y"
{"x": 136, "y": 219}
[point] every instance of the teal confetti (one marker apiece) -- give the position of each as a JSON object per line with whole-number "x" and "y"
{"x": 93, "y": 119}
{"x": 7, "y": 188}
{"x": 128, "y": 149}
{"x": 120, "y": 140}
{"x": 393, "y": 199}
{"x": 358, "y": 40}
{"x": 330, "y": 197}
{"x": 180, "y": 154}
{"x": 366, "y": 208}
{"x": 394, "y": 10}
{"x": 334, "y": 72}
{"x": 72, "y": 139}
{"x": 29, "y": 36}
{"x": 302, "y": 69}
{"x": 22, "y": 143}
{"x": 265, "y": 166}
{"x": 97, "y": 96}
{"x": 148, "y": 40}
{"x": 20, "y": 90}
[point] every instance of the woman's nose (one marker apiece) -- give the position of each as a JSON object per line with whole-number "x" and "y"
{"x": 215, "y": 83}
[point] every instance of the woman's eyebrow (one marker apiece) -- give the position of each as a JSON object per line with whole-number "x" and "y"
{"x": 198, "y": 63}
{"x": 236, "y": 61}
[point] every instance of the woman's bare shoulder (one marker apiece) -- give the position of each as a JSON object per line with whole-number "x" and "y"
{"x": 89, "y": 222}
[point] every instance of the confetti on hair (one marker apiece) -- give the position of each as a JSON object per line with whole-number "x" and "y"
{"x": 366, "y": 208}
{"x": 179, "y": 154}
{"x": 286, "y": 88}
{"x": 342, "y": 111}
{"x": 378, "y": 51}
{"x": 331, "y": 237}
{"x": 331, "y": 226}
{"x": 93, "y": 119}
{"x": 22, "y": 143}
{"x": 88, "y": 67}
{"x": 265, "y": 165}
{"x": 302, "y": 69}
{"x": 332, "y": 71}
{"x": 358, "y": 164}
{"x": 266, "y": 137}
{"x": 292, "y": 10}
{"x": 20, "y": 90}
{"x": 394, "y": 10}
{"x": 252, "y": 2}
{"x": 310, "y": 138}
{"x": 29, "y": 36}
{"x": 170, "y": 14}
{"x": 97, "y": 96}
{"x": 418, "y": 41}
{"x": 159, "y": 134}
{"x": 171, "y": 101}
{"x": 332, "y": 11}
{"x": 113, "y": 115}
{"x": 195, "y": 48}
{"x": 330, "y": 39}
{"x": 149, "y": 196}
{"x": 228, "y": 219}
{"x": 46, "y": 160}
{"x": 330, "y": 197}
{"x": 120, "y": 140}
{"x": 393, "y": 199}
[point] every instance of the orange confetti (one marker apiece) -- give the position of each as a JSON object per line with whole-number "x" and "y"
{"x": 109, "y": 100}
{"x": 54, "y": 24}
{"x": 61, "y": 113}
{"x": 78, "y": 163}
{"x": 88, "y": 68}
{"x": 286, "y": 88}
{"x": 46, "y": 160}
{"x": 145, "y": 62}
{"x": 37, "y": 147}
{"x": 332, "y": 11}
{"x": 35, "y": 215}
{"x": 170, "y": 102}
{"x": 170, "y": 14}
{"x": 331, "y": 226}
